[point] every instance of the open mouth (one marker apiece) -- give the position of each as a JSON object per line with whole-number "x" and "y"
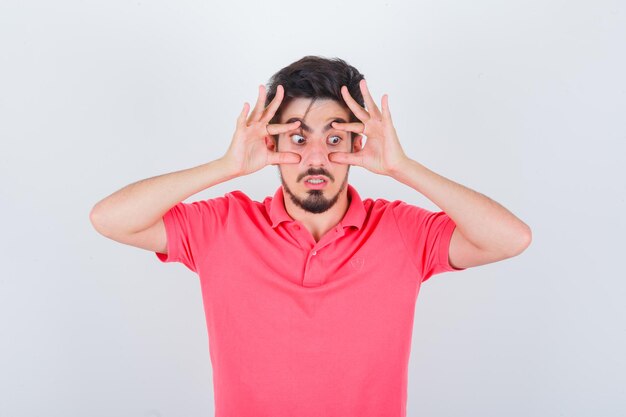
{"x": 316, "y": 182}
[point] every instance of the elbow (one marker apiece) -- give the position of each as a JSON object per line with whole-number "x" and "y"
{"x": 96, "y": 219}
{"x": 524, "y": 238}
{"x": 527, "y": 237}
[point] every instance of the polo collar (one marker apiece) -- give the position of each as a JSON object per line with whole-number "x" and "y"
{"x": 353, "y": 217}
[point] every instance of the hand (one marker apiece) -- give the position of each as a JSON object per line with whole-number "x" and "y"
{"x": 382, "y": 153}
{"x": 248, "y": 151}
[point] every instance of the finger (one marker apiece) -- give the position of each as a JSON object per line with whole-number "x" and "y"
{"x": 260, "y": 103}
{"x": 244, "y": 113}
{"x": 367, "y": 97}
{"x": 283, "y": 158}
{"x": 349, "y": 158}
{"x": 278, "y": 128}
{"x": 353, "y": 105}
{"x": 386, "y": 112}
{"x": 273, "y": 106}
{"x": 355, "y": 127}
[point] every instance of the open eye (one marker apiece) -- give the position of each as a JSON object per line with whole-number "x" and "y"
{"x": 297, "y": 139}
{"x": 334, "y": 140}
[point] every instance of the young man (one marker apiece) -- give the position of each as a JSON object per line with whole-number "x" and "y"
{"x": 310, "y": 295}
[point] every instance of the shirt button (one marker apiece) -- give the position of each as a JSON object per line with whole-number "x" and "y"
{"x": 314, "y": 253}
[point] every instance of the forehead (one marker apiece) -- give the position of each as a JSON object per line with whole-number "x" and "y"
{"x": 321, "y": 109}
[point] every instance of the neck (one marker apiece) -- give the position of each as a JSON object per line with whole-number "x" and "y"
{"x": 319, "y": 223}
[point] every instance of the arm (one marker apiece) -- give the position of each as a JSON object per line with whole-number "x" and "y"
{"x": 133, "y": 214}
{"x": 486, "y": 232}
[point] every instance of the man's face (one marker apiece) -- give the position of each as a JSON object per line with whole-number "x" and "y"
{"x": 313, "y": 140}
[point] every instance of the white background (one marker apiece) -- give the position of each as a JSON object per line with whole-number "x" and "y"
{"x": 523, "y": 101}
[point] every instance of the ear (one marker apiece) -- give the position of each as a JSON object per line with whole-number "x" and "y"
{"x": 358, "y": 143}
{"x": 269, "y": 142}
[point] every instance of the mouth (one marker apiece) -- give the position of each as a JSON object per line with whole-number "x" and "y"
{"x": 316, "y": 182}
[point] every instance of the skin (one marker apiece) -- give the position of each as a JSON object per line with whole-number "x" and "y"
{"x": 314, "y": 140}
{"x": 485, "y": 230}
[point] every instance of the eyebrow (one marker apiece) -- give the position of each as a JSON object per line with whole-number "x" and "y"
{"x": 308, "y": 129}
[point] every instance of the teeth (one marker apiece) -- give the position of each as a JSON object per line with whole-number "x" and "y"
{"x": 315, "y": 181}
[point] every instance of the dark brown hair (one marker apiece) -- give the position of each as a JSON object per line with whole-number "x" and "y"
{"x": 316, "y": 77}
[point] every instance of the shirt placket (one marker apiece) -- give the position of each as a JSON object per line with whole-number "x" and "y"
{"x": 316, "y": 253}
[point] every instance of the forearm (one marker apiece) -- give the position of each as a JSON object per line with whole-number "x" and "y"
{"x": 483, "y": 221}
{"x": 141, "y": 204}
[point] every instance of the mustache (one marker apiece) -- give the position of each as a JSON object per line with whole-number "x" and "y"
{"x": 314, "y": 171}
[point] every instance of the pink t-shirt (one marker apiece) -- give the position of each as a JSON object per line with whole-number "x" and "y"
{"x": 304, "y": 328}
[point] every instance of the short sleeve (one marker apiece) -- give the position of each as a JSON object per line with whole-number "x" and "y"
{"x": 190, "y": 229}
{"x": 427, "y": 236}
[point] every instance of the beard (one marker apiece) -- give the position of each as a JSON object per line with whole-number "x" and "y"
{"x": 315, "y": 202}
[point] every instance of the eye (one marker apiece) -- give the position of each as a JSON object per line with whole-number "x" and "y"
{"x": 297, "y": 139}
{"x": 334, "y": 140}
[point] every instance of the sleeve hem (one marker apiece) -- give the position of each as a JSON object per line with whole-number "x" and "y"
{"x": 444, "y": 246}
{"x": 170, "y": 232}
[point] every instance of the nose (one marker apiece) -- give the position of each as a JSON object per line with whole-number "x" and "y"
{"x": 315, "y": 154}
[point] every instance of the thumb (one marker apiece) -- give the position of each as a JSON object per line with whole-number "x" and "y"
{"x": 349, "y": 158}
{"x": 283, "y": 158}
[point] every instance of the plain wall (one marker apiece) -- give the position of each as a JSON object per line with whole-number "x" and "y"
{"x": 523, "y": 101}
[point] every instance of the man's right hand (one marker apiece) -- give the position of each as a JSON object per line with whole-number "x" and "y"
{"x": 134, "y": 214}
{"x": 248, "y": 151}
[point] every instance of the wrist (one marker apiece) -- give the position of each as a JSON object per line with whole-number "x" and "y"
{"x": 228, "y": 168}
{"x": 401, "y": 168}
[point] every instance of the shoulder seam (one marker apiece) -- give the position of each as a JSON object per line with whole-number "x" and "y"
{"x": 406, "y": 247}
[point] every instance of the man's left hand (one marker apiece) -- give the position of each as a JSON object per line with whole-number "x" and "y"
{"x": 382, "y": 153}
